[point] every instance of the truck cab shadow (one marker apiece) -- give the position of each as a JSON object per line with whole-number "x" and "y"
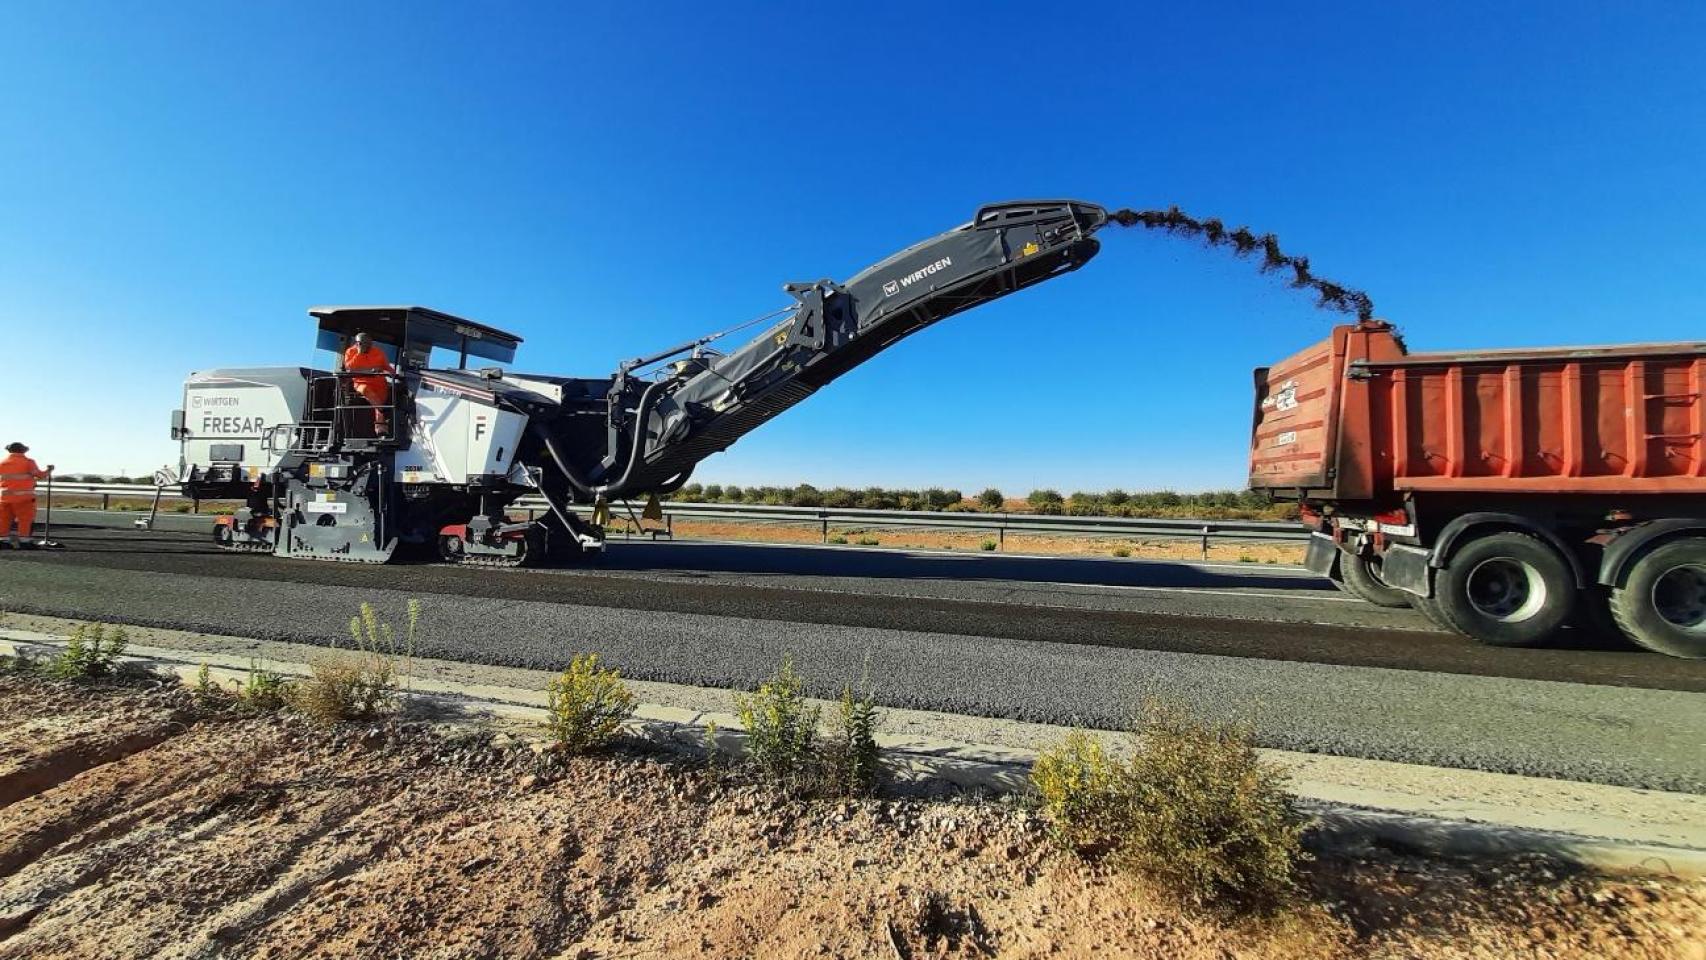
{"x": 767, "y": 560}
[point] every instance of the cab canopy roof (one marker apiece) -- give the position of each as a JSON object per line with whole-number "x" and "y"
{"x": 416, "y": 330}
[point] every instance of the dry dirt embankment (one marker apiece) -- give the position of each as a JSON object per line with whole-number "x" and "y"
{"x": 136, "y": 823}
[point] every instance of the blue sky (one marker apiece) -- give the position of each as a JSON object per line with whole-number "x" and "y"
{"x": 178, "y": 183}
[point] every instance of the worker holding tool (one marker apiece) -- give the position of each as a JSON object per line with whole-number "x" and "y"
{"x": 18, "y": 476}
{"x": 363, "y": 357}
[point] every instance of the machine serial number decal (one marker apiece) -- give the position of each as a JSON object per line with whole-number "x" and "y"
{"x": 1286, "y": 438}
{"x": 321, "y": 506}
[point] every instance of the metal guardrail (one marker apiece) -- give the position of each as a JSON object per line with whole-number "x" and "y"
{"x": 999, "y": 524}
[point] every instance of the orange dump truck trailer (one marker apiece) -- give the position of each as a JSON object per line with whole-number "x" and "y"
{"x": 1504, "y": 493}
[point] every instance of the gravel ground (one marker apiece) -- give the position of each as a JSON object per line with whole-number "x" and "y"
{"x": 146, "y": 824}
{"x": 1599, "y": 733}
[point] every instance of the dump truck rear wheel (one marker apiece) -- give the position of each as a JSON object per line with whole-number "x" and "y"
{"x": 1662, "y": 603}
{"x": 1429, "y": 607}
{"x": 1362, "y": 580}
{"x": 1506, "y": 589}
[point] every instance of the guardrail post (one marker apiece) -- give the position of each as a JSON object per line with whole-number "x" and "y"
{"x": 1205, "y": 533}
{"x": 825, "y": 518}
{"x": 106, "y": 501}
{"x": 1001, "y": 533}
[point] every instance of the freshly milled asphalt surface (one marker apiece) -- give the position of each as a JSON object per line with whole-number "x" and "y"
{"x": 1046, "y": 639}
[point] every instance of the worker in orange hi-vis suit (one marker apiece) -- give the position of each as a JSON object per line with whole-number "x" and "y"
{"x": 363, "y": 357}
{"x": 18, "y": 476}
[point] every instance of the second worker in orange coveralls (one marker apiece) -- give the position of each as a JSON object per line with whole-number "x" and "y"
{"x": 363, "y": 357}
{"x": 18, "y": 476}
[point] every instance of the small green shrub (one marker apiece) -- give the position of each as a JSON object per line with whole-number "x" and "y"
{"x": 713, "y": 750}
{"x": 991, "y": 499}
{"x": 207, "y": 693}
{"x": 586, "y": 706}
{"x": 987, "y": 545}
{"x": 263, "y": 690}
{"x": 838, "y": 538}
{"x": 935, "y": 498}
{"x": 1122, "y": 551}
{"x": 1194, "y": 811}
{"x": 781, "y": 729}
{"x": 91, "y": 653}
{"x": 869, "y": 541}
{"x": 851, "y": 760}
{"x": 1079, "y": 790}
{"x": 840, "y": 498}
{"x": 1039, "y": 498}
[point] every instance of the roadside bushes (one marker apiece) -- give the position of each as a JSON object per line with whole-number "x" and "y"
{"x": 1193, "y": 810}
{"x": 1041, "y": 498}
{"x": 91, "y": 653}
{"x": 359, "y": 683}
{"x": 784, "y": 745}
{"x": 781, "y": 729}
{"x": 1208, "y": 505}
{"x": 587, "y": 706}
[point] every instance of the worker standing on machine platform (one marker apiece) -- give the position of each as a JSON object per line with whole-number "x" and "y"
{"x": 18, "y": 476}
{"x": 363, "y": 357}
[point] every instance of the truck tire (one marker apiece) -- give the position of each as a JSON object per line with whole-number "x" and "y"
{"x": 1506, "y": 589}
{"x": 1662, "y": 602}
{"x": 1429, "y": 607}
{"x": 1362, "y": 580}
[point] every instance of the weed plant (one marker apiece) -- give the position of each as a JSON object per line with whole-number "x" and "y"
{"x": 1194, "y": 811}
{"x": 781, "y": 730}
{"x": 91, "y": 653}
{"x": 587, "y": 706}
{"x": 852, "y": 764}
{"x": 360, "y": 683}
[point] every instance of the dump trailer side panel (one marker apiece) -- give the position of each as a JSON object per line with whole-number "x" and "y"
{"x": 1586, "y": 420}
{"x": 1355, "y": 417}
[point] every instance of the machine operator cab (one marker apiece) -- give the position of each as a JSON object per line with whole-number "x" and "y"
{"x": 370, "y": 405}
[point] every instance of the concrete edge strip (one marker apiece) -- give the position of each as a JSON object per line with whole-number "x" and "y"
{"x": 935, "y": 765}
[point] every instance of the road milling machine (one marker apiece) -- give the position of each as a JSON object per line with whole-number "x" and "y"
{"x": 323, "y": 473}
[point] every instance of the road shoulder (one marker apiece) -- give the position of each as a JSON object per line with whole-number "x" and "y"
{"x": 1435, "y": 810}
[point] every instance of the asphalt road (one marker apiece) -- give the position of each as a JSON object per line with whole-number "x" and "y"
{"x": 1045, "y": 639}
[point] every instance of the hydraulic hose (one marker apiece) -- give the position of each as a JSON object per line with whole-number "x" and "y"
{"x": 550, "y": 442}
{"x": 641, "y": 413}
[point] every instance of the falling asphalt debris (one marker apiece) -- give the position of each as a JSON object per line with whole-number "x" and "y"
{"x": 1332, "y": 296}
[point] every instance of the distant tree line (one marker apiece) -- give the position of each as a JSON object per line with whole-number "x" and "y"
{"x": 1110, "y": 503}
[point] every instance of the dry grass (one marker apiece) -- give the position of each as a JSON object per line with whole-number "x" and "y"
{"x": 360, "y": 683}
{"x": 1194, "y": 811}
